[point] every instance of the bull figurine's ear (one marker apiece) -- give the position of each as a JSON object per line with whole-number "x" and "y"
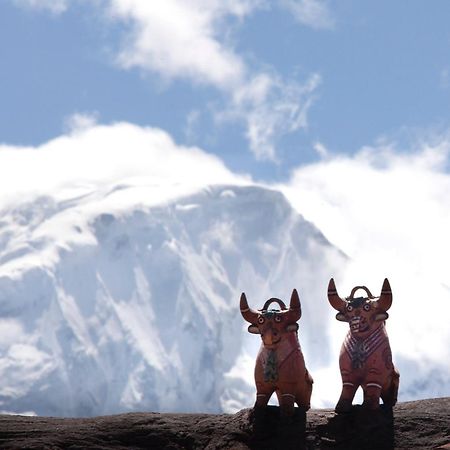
{"x": 381, "y": 316}
{"x": 248, "y": 314}
{"x": 292, "y": 327}
{"x": 341, "y": 317}
{"x": 253, "y": 329}
{"x": 335, "y": 301}
{"x": 385, "y": 300}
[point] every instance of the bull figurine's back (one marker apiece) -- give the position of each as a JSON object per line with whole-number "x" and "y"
{"x": 280, "y": 366}
{"x": 366, "y": 358}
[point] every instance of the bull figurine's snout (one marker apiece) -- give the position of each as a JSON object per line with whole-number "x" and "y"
{"x": 270, "y": 337}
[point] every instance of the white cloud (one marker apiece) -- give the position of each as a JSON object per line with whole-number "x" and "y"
{"x": 389, "y": 211}
{"x": 313, "y": 13}
{"x": 271, "y": 107}
{"x": 96, "y": 158}
{"x": 184, "y": 40}
{"x": 321, "y": 150}
{"x": 81, "y": 121}
{"x": 181, "y": 39}
{"x": 54, "y": 6}
{"x": 369, "y": 188}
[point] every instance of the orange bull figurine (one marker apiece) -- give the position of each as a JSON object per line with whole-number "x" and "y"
{"x": 365, "y": 359}
{"x": 280, "y": 366}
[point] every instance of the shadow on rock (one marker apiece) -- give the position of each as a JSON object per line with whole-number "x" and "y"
{"x": 359, "y": 429}
{"x": 271, "y": 430}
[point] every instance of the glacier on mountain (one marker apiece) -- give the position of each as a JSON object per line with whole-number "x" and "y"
{"x": 135, "y": 307}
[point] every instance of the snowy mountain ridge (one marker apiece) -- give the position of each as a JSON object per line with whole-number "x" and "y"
{"x": 108, "y": 304}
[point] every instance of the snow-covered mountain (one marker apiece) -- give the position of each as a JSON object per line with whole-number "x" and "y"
{"x": 109, "y": 304}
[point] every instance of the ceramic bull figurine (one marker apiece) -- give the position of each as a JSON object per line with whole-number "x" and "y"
{"x": 280, "y": 366}
{"x": 365, "y": 359}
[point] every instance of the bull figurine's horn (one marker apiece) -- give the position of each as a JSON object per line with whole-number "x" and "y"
{"x": 385, "y": 300}
{"x": 295, "y": 308}
{"x": 335, "y": 301}
{"x": 250, "y": 315}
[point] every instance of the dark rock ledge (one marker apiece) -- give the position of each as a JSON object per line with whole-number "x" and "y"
{"x": 423, "y": 424}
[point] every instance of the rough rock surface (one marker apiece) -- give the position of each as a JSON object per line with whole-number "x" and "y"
{"x": 421, "y": 424}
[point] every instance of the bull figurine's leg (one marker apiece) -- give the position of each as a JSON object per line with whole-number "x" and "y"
{"x": 372, "y": 393}
{"x": 303, "y": 397}
{"x": 389, "y": 395}
{"x": 286, "y": 399}
{"x": 349, "y": 388}
{"x": 263, "y": 394}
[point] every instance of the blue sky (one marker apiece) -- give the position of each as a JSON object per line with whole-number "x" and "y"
{"x": 266, "y": 88}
